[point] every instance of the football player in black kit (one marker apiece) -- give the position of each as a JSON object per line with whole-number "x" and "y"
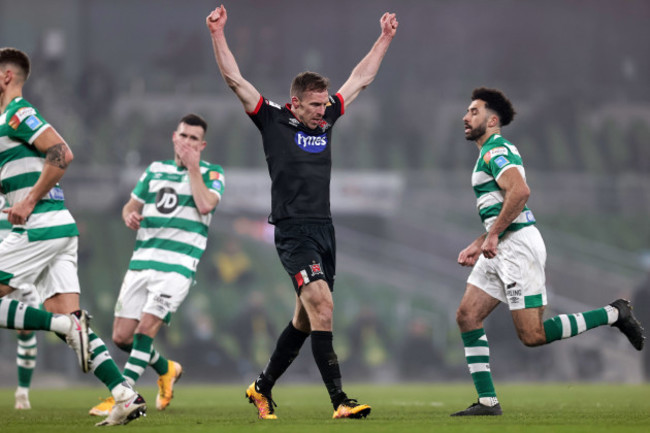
{"x": 297, "y": 143}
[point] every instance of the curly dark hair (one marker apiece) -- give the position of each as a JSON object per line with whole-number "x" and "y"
{"x": 13, "y": 56}
{"x": 496, "y": 101}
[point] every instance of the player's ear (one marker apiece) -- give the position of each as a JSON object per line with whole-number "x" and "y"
{"x": 295, "y": 101}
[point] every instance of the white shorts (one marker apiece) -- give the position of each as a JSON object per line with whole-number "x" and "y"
{"x": 154, "y": 292}
{"x": 50, "y": 265}
{"x": 26, "y": 294}
{"x": 516, "y": 275}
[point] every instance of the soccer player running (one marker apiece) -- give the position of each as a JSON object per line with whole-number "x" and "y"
{"x": 42, "y": 246}
{"x": 297, "y": 143}
{"x": 171, "y": 208}
{"x": 509, "y": 259}
{"x": 26, "y": 350}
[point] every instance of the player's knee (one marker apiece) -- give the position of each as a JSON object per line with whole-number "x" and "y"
{"x": 531, "y": 339}
{"x": 465, "y": 319}
{"x": 123, "y": 341}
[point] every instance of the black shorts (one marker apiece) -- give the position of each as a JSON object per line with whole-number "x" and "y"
{"x": 307, "y": 250}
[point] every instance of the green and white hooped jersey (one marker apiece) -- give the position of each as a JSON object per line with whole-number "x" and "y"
{"x": 5, "y": 225}
{"x": 496, "y": 156}
{"x": 20, "y": 167}
{"x": 173, "y": 234}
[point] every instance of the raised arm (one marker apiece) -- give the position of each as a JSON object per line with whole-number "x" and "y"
{"x": 247, "y": 94}
{"x": 364, "y": 73}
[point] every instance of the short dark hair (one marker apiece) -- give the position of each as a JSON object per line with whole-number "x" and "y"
{"x": 496, "y": 101}
{"x": 195, "y": 120}
{"x": 17, "y": 58}
{"x": 308, "y": 82}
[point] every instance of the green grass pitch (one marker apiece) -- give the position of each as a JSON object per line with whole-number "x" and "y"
{"x": 548, "y": 408}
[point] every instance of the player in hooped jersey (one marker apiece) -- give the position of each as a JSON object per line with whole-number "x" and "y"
{"x": 297, "y": 144}
{"x": 508, "y": 260}
{"x": 170, "y": 208}
{"x": 42, "y": 246}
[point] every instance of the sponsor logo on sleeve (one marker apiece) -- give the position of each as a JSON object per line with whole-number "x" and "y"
{"x": 501, "y": 161}
{"x": 215, "y": 175}
{"x": 273, "y": 104}
{"x": 20, "y": 115}
{"x": 33, "y": 122}
{"x": 494, "y": 152}
{"x": 217, "y": 185}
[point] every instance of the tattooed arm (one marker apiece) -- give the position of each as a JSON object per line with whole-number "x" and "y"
{"x": 57, "y": 158}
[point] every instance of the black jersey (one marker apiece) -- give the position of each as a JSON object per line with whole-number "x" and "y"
{"x": 299, "y": 159}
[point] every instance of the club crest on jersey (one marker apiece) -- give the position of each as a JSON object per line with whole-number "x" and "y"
{"x": 323, "y": 125}
{"x": 310, "y": 143}
{"x": 316, "y": 269}
{"x": 166, "y": 200}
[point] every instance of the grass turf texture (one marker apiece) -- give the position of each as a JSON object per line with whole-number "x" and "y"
{"x": 396, "y": 408}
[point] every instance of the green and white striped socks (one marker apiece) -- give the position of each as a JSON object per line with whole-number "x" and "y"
{"x": 477, "y": 355}
{"x": 26, "y": 358}
{"x": 570, "y": 325}
{"x": 139, "y": 357}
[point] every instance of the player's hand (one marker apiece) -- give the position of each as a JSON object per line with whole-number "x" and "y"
{"x": 469, "y": 255}
{"x": 216, "y": 21}
{"x": 189, "y": 155}
{"x": 133, "y": 220}
{"x": 489, "y": 247}
{"x": 388, "y": 24}
{"x": 17, "y": 214}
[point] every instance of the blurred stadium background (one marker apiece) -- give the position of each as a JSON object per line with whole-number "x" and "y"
{"x": 114, "y": 77}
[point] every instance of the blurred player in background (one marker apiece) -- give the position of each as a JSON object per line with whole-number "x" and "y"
{"x": 170, "y": 208}
{"x": 297, "y": 144}
{"x": 27, "y": 350}
{"x": 41, "y": 249}
{"x": 509, "y": 259}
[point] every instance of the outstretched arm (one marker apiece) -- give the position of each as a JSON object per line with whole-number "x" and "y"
{"x": 247, "y": 94}
{"x": 364, "y": 73}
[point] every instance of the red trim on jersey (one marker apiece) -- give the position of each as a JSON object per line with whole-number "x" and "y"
{"x": 338, "y": 95}
{"x": 299, "y": 279}
{"x": 288, "y": 107}
{"x": 257, "y": 107}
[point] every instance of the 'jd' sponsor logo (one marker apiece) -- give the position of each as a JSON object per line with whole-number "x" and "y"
{"x": 311, "y": 143}
{"x": 166, "y": 200}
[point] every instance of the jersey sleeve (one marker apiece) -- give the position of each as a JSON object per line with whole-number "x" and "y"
{"x": 264, "y": 112}
{"x": 214, "y": 179}
{"x": 26, "y": 124}
{"x": 499, "y": 159}
{"x": 142, "y": 187}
